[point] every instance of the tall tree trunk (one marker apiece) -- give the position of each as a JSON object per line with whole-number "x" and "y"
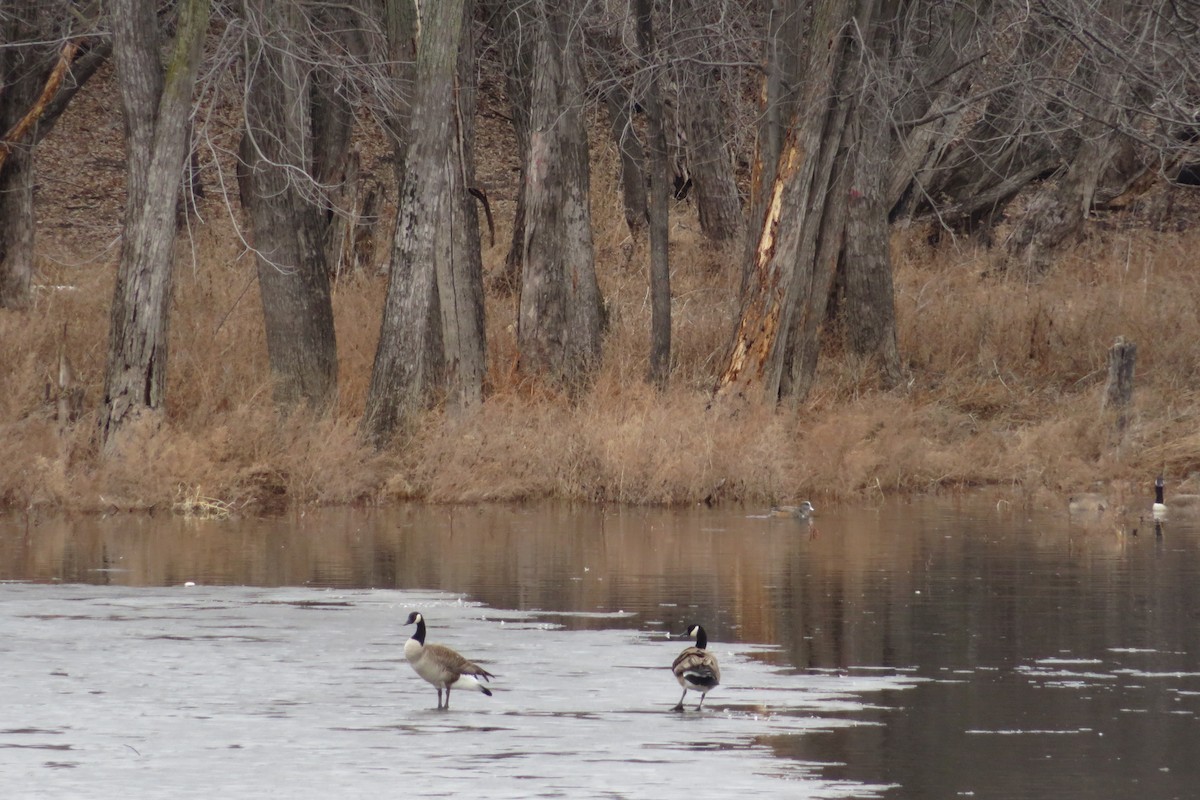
{"x": 283, "y": 200}
{"x": 560, "y": 311}
{"x": 460, "y": 278}
{"x": 660, "y": 271}
{"x": 429, "y": 245}
{"x": 869, "y": 311}
{"x": 335, "y": 163}
{"x": 157, "y": 102}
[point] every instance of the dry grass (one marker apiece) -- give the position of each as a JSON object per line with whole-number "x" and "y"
{"x": 1004, "y": 383}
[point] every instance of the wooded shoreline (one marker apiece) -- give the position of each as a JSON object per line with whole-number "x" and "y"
{"x": 829, "y": 314}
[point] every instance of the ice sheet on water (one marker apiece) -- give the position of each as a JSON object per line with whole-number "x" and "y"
{"x": 248, "y": 693}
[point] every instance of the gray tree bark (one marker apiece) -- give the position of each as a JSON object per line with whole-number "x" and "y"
{"x": 620, "y": 107}
{"x": 432, "y": 323}
{"x": 400, "y": 29}
{"x": 706, "y": 122}
{"x": 281, "y": 149}
{"x": 865, "y": 266}
{"x": 514, "y": 24}
{"x": 560, "y": 310}
{"x": 156, "y": 100}
{"x": 656, "y": 166}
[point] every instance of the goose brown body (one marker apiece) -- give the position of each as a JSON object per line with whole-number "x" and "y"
{"x": 441, "y": 666}
{"x": 696, "y": 668}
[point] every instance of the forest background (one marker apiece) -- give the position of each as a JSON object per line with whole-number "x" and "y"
{"x": 263, "y": 253}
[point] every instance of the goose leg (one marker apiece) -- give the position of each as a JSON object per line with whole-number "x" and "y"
{"x": 680, "y": 706}
{"x": 439, "y": 691}
{"x": 702, "y": 696}
{"x": 447, "y": 706}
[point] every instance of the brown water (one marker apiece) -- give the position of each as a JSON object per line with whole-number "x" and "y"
{"x": 914, "y": 651}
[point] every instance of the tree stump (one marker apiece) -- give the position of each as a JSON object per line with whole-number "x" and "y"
{"x": 1118, "y": 391}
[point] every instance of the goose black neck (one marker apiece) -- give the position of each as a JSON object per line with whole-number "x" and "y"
{"x": 701, "y": 638}
{"x": 1158, "y": 491}
{"x": 420, "y": 632}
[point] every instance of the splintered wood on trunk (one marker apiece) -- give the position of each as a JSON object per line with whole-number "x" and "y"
{"x": 800, "y": 235}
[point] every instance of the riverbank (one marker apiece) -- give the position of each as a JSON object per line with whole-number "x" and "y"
{"x": 1003, "y": 390}
{"x": 1003, "y": 386}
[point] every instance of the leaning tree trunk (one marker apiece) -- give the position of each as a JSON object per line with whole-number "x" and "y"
{"x": 39, "y": 74}
{"x": 656, "y": 166}
{"x": 431, "y": 264}
{"x": 156, "y": 101}
{"x": 286, "y": 216}
{"x": 560, "y": 312}
{"x": 1057, "y": 210}
{"x": 23, "y": 71}
{"x": 801, "y": 235}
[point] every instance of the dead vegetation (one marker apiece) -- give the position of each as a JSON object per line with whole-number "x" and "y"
{"x": 1004, "y": 377}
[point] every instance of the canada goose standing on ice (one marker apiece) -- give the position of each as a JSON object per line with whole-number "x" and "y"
{"x": 696, "y": 668}
{"x": 802, "y": 511}
{"x": 440, "y": 665}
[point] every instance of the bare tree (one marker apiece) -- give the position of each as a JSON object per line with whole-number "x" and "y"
{"x": 47, "y": 52}
{"x": 295, "y": 135}
{"x": 660, "y": 270}
{"x": 157, "y": 100}
{"x": 1003, "y": 99}
{"x": 560, "y": 310}
{"x": 703, "y": 65}
{"x": 432, "y": 327}
{"x": 513, "y": 25}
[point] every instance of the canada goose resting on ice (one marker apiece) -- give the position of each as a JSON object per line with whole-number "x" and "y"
{"x": 696, "y": 668}
{"x": 802, "y": 511}
{"x": 440, "y": 665}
